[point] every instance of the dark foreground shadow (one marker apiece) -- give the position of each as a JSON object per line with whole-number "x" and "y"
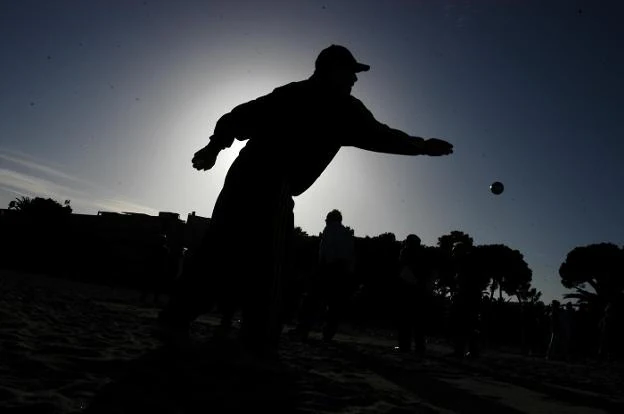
{"x": 311, "y": 377}
{"x": 424, "y": 383}
{"x": 210, "y": 377}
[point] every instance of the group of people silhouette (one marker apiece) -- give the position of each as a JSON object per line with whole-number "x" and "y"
{"x": 292, "y": 134}
{"x": 469, "y": 318}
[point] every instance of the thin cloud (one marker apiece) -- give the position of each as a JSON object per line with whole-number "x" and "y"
{"x": 29, "y": 184}
{"x": 29, "y": 162}
{"x": 41, "y": 180}
{"x": 14, "y": 191}
{"x": 120, "y": 205}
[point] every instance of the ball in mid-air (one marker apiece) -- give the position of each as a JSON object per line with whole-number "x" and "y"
{"x": 497, "y": 187}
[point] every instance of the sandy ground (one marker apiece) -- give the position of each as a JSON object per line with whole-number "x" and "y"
{"x": 68, "y": 347}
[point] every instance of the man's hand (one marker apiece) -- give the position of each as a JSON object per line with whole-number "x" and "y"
{"x": 205, "y": 158}
{"x": 436, "y": 147}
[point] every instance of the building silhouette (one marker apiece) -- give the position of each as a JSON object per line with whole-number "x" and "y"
{"x": 109, "y": 247}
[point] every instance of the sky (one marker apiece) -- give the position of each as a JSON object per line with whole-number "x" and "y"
{"x": 104, "y": 103}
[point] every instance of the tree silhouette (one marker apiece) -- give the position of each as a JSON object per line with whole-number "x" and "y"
{"x": 386, "y": 238}
{"x": 43, "y": 240}
{"x": 39, "y": 206}
{"x": 299, "y": 232}
{"x": 446, "y": 242}
{"x": 20, "y": 203}
{"x": 600, "y": 266}
{"x": 584, "y": 297}
{"x": 530, "y": 295}
{"x": 506, "y": 268}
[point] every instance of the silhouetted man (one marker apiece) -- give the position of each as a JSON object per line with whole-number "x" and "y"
{"x": 292, "y": 135}
{"x": 560, "y": 330}
{"x": 330, "y": 288}
{"x": 466, "y": 308}
{"x": 415, "y": 289}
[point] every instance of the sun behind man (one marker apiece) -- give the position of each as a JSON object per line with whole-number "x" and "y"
{"x": 292, "y": 135}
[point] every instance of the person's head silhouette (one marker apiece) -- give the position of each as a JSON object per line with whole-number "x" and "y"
{"x": 333, "y": 216}
{"x": 412, "y": 241}
{"x": 337, "y": 68}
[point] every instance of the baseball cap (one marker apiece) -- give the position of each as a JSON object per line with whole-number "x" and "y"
{"x": 336, "y": 56}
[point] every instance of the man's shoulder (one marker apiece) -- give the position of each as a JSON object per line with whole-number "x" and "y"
{"x": 355, "y": 101}
{"x": 345, "y": 233}
{"x": 294, "y": 87}
{"x": 357, "y": 107}
{"x": 336, "y": 229}
{"x": 308, "y": 88}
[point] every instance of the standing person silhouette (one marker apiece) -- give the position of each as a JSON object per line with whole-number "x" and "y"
{"x": 414, "y": 293}
{"x": 292, "y": 135}
{"x": 467, "y": 303}
{"x": 332, "y": 284}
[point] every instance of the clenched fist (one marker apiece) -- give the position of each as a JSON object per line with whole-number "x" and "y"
{"x": 205, "y": 158}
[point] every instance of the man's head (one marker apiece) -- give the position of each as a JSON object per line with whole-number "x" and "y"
{"x": 337, "y": 67}
{"x": 411, "y": 241}
{"x": 334, "y": 216}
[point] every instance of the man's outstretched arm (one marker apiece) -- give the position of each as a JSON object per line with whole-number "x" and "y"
{"x": 372, "y": 135}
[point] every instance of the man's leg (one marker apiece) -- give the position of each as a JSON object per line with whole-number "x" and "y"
{"x": 404, "y": 320}
{"x": 337, "y": 293}
{"x": 262, "y": 298}
{"x": 474, "y": 347}
{"x": 420, "y": 340}
{"x": 310, "y": 309}
{"x": 459, "y": 330}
